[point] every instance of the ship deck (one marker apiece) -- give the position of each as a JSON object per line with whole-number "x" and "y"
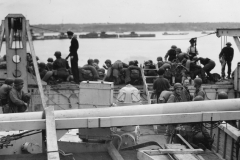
{"x": 147, "y": 134}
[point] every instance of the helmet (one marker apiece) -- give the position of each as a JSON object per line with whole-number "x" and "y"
{"x": 9, "y": 81}
{"x": 161, "y": 71}
{"x": 90, "y": 61}
{"x": 198, "y": 81}
{"x": 131, "y": 63}
{"x": 179, "y": 50}
{"x": 159, "y": 59}
{"x": 222, "y": 95}
{"x": 96, "y": 61}
{"x": 228, "y": 44}
{"x": 177, "y": 85}
{"x": 135, "y": 62}
{"x": 108, "y": 61}
{"x": 50, "y": 60}
{"x": 198, "y": 98}
{"x": 42, "y": 65}
{"x": 57, "y": 54}
{"x": 37, "y": 58}
{"x": 18, "y": 81}
{"x": 173, "y": 46}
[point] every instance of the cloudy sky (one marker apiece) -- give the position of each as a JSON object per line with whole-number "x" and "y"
{"x": 122, "y": 11}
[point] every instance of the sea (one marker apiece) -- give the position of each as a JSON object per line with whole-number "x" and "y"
{"x": 141, "y": 49}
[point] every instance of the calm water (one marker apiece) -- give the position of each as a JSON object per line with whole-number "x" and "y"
{"x": 130, "y": 49}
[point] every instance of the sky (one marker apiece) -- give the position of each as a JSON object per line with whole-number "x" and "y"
{"x": 122, "y": 11}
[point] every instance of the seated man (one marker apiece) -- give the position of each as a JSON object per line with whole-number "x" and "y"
{"x": 60, "y": 66}
{"x": 45, "y": 75}
{"x": 49, "y": 66}
{"x": 96, "y": 63}
{"x": 18, "y": 100}
{"x": 4, "y": 94}
{"x": 133, "y": 74}
{"x": 88, "y": 72}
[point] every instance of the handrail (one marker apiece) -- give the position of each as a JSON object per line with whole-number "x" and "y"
{"x": 145, "y": 85}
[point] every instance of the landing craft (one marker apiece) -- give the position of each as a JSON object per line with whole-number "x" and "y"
{"x": 108, "y": 131}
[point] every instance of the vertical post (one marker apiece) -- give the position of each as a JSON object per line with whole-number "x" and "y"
{"x": 236, "y": 39}
{"x": 225, "y": 145}
{"x": 2, "y": 34}
{"x": 52, "y": 146}
{"x": 218, "y": 136}
{"x": 39, "y": 82}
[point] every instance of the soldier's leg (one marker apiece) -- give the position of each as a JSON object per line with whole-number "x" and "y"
{"x": 229, "y": 63}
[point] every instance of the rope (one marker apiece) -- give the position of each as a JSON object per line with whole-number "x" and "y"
{"x": 45, "y": 29}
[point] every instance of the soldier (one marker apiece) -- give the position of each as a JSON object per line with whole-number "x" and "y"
{"x": 4, "y": 94}
{"x": 185, "y": 95}
{"x": 60, "y": 65}
{"x": 18, "y": 100}
{"x": 226, "y": 57}
{"x": 208, "y": 66}
{"x": 199, "y": 91}
{"x": 49, "y": 64}
{"x": 96, "y": 63}
{"x": 171, "y": 54}
{"x": 160, "y": 84}
{"x": 74, "y": 56}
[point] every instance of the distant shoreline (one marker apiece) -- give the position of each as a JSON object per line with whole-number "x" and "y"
{"x": 128, "y": 27}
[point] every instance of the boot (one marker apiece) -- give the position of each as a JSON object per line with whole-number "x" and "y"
{"x": 228, "y": 77}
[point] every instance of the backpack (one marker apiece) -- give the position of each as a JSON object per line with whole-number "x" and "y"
{"x": 87, "y": 74}
{"x": 135, "y": 74}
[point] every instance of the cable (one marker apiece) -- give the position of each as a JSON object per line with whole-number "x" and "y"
{"x": 45, "y": 29}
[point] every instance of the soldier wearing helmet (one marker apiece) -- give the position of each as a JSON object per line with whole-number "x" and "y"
{"x": 171, "y": 54}
{"x": 198, "y": 86}
{"x": 96, "y": 63}
{"x": 4, "y": 92}
{"x": 192, "y": 50}
{"x": 222, "y": 95}
{"x": 61, "y": 67}
{"x": 226, "y": 57}
{"x": 18, "y": 100}
{"x": 108, "y": 64}
{"x": 159, "y": 62}
{"x": 186, "y": 96}
{"x": 195, "y": 69}
{"x": 160, "y": 84}
{"x": 49, "y": 65}
{"x": 176, "y": 95}
{"x": 208, "y": 66}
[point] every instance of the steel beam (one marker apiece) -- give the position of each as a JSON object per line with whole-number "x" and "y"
{"x": 150, "y": 109}
{"x": 228, "y": 32}
{"x": 116, "y": 121}
{"x": 236, "y": 39}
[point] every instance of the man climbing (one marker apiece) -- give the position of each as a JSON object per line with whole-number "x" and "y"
{"x": 171, "y": 54}
{"x": 226, "y": 57}
{"x": 18, "y": 100}
{"x": 74, "y": 56}
{"x": 208, "y": 66}
{"x": 160, "y": 84}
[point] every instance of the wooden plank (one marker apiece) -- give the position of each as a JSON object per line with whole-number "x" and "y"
{"x": 2, "y": 34}
{"x": 52, "y": 146}
{"x": 180, "y": 156}
{"x": 141, "y": 155}
{"x": 39, "y": 82}
{"x": 225, "y": 145}
{"x": 230, "y": 130}
{"x": 113, "y": 152}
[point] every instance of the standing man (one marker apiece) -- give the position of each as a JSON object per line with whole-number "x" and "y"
{"x": 73, "y": 56}
{"x": 160, "y": 84}
{"x": 226, "y": 57}
{"x": 192, "y": 50}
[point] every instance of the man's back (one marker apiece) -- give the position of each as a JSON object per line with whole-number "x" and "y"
{"x": 74, "y": 47}
{"x": 161, "y": 84}
{"x": 227, "y": 53}
{"x": 59, "y": 64}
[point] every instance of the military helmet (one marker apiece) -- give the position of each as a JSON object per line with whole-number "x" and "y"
{"x": 198, "y": 81}
{"x": 135, "y": 62}
{"x": 18, "y": 81}
{"x": 159, "y": 59}
{"x": 222, "y": 95}
{"x": 173, "y": 46}
{"x": 50, "y": 59}
{"x": 57, "y": 54}
{"x": 177, "y": 85}
{"x": 108, "y": 61}
{"x": 9, "y": 81}
{"x": 228, "y": 44}
{"x": 179, "y": 50}
{"x": 131, "y": 63}
{"x": 42, "y": 65}
{"x": 198, "y": 98}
